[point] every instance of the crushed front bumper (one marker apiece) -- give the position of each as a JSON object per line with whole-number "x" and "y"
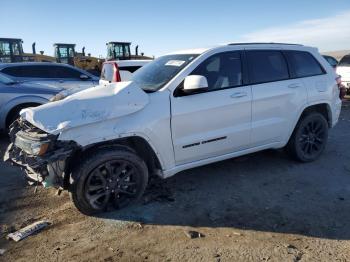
{"x": 49, "y": 168}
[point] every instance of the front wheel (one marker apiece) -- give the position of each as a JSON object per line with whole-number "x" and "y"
{"x": 309, "y": 138}
{"x": 110, "y": 176}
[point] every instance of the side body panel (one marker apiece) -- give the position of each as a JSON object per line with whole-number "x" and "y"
{"x": 211, "y": 124}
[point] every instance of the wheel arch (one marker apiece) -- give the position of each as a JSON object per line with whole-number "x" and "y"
{"x": 322, "y": 107}
{"x": 136, "y": 144}
{"x": 15, "y": 104}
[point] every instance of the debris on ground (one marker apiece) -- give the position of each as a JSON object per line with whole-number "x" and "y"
{"x": 193, "y": 234}
{"x": 28, "y": 230}
{"x": 157, "y": 191}
{"x": 2, "y": 251}
{"x": 290, "y": 246}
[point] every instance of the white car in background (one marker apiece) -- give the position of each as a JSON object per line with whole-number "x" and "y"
{"x": 343, "y": 69}
{"x": 112, "y": 71}
{"x": 119, "y": 71}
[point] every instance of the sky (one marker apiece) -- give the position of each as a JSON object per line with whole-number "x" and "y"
{"x": 163, "y": 26}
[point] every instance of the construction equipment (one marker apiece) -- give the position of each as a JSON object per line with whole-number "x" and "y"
{"x": 121, "y": 51}
{"x": 11, "y": 50}
{"x": 65, "y": 53}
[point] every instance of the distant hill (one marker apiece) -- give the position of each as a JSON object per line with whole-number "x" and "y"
{"x": 337, "y": 54}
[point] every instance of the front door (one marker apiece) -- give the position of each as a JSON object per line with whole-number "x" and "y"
{"x": 217, "y": 121}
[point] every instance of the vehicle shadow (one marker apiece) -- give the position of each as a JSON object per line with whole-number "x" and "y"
{"x": 265, "y": 191}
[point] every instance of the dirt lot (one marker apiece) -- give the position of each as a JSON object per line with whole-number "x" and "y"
{"x": 262, "y": 207}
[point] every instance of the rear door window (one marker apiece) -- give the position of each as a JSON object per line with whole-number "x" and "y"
{"x": 303, "y": 64}
{"x": 66, "y": 72}
{"x": 266, "y": 66}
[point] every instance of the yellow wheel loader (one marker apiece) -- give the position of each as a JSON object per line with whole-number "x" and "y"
{"x": 11, "y": 50}
{"x": 121, "y": 51}
{"x": 65, "y": 53}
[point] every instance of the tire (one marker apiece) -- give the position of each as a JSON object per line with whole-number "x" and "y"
{"x": 14, "y": 113}
{"x": 309, "y": 138}
{"x": 111, "y": 175}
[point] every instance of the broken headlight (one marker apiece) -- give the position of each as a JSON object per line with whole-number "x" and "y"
{"x": 32, "y": 147}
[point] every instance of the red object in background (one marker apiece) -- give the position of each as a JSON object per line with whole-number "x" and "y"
{"x": 116, "y": 73}
{"x": 117, "y": 77}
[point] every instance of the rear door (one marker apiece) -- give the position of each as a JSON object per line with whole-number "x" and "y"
{"x": 71, "y": 78}
{"x": 304, "y": 66}
{"x": 276, "y": 98}
{"x": 217, "y": 121}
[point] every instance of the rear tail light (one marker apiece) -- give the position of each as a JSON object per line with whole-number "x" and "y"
{"x": 117, "y": 77}
{"x": 342, "y": 89}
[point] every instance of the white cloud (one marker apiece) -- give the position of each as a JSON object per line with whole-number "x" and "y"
{"x": 330, "y": 33}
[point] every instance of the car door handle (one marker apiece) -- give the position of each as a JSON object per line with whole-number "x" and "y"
{"x": 294, "y": 86}
{"x": 238, "y": 94}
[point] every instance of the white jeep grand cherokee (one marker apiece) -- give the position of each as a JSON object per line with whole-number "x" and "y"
{"x": 182, "y": 110}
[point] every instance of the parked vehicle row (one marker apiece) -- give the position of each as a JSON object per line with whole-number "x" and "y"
{"x": 119, "y": 71}
{"x": 11, "y": 51}
{"x": 331, "y": 60}
{"x": 343, "y": 69}
{"x": 180, "y": 111}
{"x": 33, "y": 84}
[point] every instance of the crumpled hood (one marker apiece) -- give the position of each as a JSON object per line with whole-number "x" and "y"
{"x": 88, "y": 106}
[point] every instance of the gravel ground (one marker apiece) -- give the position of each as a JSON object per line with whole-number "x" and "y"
{"x": 260, "y": 207}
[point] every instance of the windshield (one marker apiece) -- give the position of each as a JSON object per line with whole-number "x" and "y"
{"x": 5, "y": 79}
{"x": 156, "y": 74}
{"x": 345, "y": 61}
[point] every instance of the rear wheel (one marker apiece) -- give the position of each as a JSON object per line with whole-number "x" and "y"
{"x": 309, "y": 138}
{"x": 109, "y": 177}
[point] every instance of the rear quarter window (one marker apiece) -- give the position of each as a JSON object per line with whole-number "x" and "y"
{"x": 266, "y": 66}
{"x": 303, "y": 64}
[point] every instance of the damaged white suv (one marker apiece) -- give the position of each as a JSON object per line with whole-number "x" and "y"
{"x": 182, "y": 110}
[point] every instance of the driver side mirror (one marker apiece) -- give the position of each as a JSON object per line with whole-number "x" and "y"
{"x": 84, "y": 77}
{"x": 195, "y": 84}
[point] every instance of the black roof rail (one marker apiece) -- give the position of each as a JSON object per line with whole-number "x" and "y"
{"x": 262, "y": 43}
